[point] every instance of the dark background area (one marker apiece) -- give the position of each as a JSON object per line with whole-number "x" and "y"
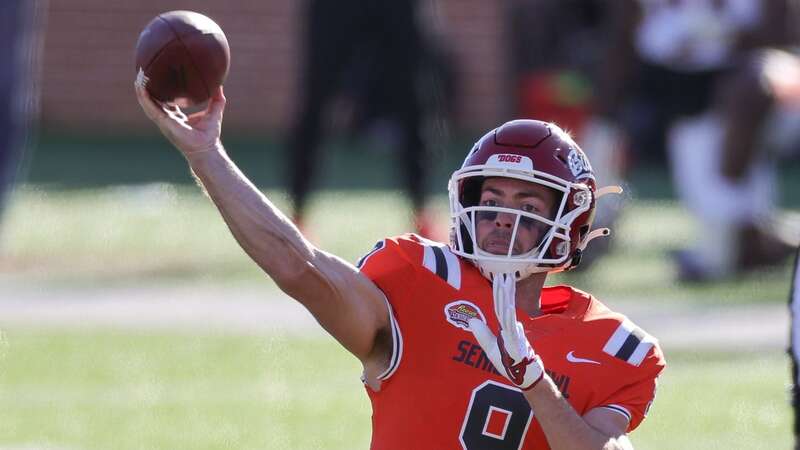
{"x": 73, "y": 161}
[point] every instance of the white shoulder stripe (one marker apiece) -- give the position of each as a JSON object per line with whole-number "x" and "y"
{"x": 618, "y": 338}
{"x": 640, "y": 352}
{"x": 453, "y": 269}
{"x": 440, "y": 260}
{"x": 629, "y": 343}
{"x": 429, "y": 260}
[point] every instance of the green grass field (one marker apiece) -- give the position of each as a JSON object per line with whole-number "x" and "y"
{"x": 123, "y": 390}
{"x": 105, "y": 213}
{"x": 126, "y": 390}
{"x": 172, "y": 234}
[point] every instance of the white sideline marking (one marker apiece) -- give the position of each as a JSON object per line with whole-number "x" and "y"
{"x": 259, "y": 310}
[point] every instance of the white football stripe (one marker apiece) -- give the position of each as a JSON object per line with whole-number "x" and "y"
{"x": 429, "y": 260}
{"x": 453, "y": 268}
{"x": 641, "y": 351}
{"x": 618, "y": 338}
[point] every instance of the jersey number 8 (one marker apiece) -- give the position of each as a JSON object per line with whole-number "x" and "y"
{"x": 497, "y": 418}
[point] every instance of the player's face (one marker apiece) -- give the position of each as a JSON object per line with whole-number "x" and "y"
{"x": 493, "y": 229}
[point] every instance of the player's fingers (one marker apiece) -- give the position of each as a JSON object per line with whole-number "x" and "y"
{"x": 507, "y": 315}
{"x": 158, "y": 113}
{"x": 150, "y": 108}
{"x": 511, "y": 300}
{"x": 525, "y": 344}
{"x": 497, "y": 294}
{"x": 176, "y": 115}
{"x": 509, "y": 283}
{"x": 511, "y": 344}
{"x": 219, "y": 93}
{"x": 174, "y": 112}
{"x": 193, "y": 119}
{"x": 216, "y": 106}
{"x": 487, "y": 341}
{"x": 509, "y": 318}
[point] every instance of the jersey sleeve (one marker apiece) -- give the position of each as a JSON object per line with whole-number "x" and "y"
{"x": 634, "y": 399}
{"x": 388, "y": 266}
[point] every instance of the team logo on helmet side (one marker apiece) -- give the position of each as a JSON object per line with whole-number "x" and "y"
{"x": 578, "y": 164}
{"x": 460, "y": 312}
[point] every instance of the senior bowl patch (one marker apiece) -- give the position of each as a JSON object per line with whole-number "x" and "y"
{"x": 460, "y": 312}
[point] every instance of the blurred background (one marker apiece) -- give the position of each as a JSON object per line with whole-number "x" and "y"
{"x": 131, "y": 319}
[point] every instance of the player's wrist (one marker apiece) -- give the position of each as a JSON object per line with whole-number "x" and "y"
{"x": 213, "y": 150}
{"x": 536, "y": 375}
{"x": 525, "y": 371}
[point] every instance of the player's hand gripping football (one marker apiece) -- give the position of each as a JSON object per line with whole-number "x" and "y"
{"x": 510, "y": 352}
{"x": 199, "y": 132}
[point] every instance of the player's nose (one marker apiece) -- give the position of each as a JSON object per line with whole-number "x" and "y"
{"x": 505, "y": 220}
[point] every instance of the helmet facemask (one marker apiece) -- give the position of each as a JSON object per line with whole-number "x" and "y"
{"x": 521, "y": 242}
{"x": 543, "y": 155}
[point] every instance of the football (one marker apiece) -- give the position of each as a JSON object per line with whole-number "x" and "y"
{"x": 185, "y": 57}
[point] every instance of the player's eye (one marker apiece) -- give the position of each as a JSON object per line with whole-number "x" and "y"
{"x": 527, "y": 222}
{"x": 486, "y": 215}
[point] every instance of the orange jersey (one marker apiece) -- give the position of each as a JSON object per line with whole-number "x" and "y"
{"x": 440, "y": 390}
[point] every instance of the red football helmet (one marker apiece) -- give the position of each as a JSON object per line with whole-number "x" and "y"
{"x": 535, "y": 152}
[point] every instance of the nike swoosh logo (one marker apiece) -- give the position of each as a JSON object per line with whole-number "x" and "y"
{"x": 574, "y": 359}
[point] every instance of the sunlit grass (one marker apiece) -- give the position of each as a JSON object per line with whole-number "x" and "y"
{"x": 135, "y": 391}
{"x": 124, "y": 390}
{"x": 160, "y": 233}
{"x": 721, "y": 401}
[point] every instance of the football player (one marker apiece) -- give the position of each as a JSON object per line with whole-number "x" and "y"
{"x": 794, "y": 346}
{"x": 22, "y": 31}
{"x": 462, "y": 345}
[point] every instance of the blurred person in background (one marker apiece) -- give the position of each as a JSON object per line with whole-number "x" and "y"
{"x": 728, "y": 181}
{"x": 372, "y": 51}
{"x": 794, "y": 347}
{"x": 21, "y": 37}
{"x": 557, "y": 49}
{"x": 690, "y": 79}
